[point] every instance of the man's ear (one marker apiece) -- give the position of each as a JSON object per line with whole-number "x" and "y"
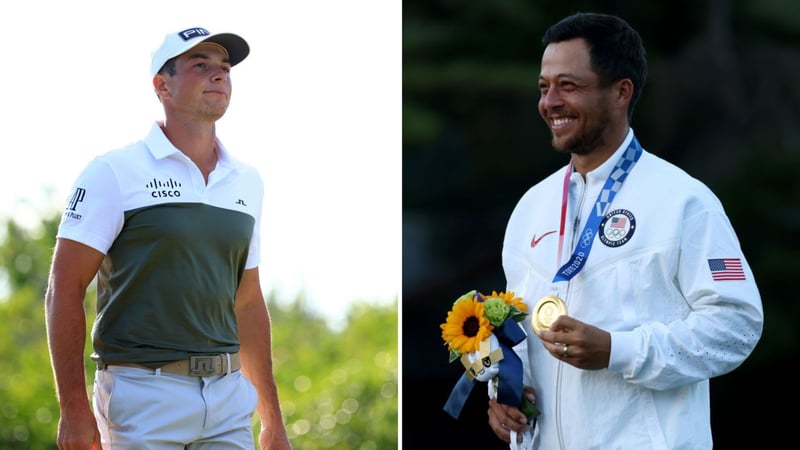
{"x": 624, "y": 92}
{"x": 160, "y": 85}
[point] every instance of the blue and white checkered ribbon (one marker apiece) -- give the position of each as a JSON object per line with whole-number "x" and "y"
{"x": 612, "y": 186}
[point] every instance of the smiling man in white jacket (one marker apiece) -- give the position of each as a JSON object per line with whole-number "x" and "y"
{"x": 652, "y": 293}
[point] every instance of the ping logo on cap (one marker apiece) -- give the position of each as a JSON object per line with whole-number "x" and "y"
{"x": 192, "y": 33}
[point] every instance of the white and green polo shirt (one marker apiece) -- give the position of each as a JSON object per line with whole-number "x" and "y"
{"x": 175, "y": 249}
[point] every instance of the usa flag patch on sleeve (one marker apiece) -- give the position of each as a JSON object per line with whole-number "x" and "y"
{"x": 725, "y": 269}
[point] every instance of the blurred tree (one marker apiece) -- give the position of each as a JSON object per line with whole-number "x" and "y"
{"x": 339, "y": 390}
{"x": 28, "y": 408}
{"x": 25, "y": 253}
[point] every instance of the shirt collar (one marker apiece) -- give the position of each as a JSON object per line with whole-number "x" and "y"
{"x": 604, "y": 170}
{"x": 161, "y": 147}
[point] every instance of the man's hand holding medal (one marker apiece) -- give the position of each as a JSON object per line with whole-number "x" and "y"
{"x": 568, "y": 339}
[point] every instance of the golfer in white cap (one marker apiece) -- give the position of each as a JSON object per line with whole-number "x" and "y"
{"x": 169, "y": 225}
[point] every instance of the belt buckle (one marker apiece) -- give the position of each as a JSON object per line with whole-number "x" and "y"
{"x": 200, "y": 366}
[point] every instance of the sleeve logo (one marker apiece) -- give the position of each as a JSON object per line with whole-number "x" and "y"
{"x": 72, "y": 204}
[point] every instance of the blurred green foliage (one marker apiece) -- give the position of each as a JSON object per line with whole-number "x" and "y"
{"x": 338, "y": 390}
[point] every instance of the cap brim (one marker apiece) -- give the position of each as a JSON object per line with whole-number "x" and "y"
{"x": 237, "y": 48}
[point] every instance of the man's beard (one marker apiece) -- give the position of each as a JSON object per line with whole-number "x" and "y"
{"x": 587, "y": 140}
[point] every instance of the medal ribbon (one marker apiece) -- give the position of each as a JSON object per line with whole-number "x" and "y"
{"x": 613, "y": 183}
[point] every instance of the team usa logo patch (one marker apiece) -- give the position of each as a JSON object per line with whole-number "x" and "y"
{"x": 617, "y": 227}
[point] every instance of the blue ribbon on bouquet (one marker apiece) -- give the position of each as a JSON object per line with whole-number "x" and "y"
{"x": 509, "y": 384}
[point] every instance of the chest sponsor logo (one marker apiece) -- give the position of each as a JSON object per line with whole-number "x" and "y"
{"x": 164, "y": 189}
{"x": 617, "y": 228}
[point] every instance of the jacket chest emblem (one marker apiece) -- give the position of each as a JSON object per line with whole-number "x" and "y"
{"x": 617, "y": 228}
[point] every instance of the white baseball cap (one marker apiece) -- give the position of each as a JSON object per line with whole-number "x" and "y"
{"x": 179, "y": 42}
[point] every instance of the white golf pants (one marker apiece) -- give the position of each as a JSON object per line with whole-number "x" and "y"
{"x": 138, "y": 408}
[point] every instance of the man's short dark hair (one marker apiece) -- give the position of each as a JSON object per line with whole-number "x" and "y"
{"x": 169, "y": 67}
{"x": 615, "y": 48}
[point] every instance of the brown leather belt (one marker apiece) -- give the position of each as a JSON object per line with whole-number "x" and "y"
{"x": 194, "y": 366}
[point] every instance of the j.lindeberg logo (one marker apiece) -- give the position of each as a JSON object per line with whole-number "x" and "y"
{"x": 163, "y": 189}
{"x": 72, "y": 204}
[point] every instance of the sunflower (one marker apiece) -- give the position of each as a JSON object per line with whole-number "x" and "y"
{"x": 466, "y": 326}
{"x": 510, "y": 300}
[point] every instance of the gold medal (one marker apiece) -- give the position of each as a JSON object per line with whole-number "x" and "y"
{"x": 546, "y": 311}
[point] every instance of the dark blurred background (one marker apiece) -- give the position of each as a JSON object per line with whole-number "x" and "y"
{"x": 722, "y": 101}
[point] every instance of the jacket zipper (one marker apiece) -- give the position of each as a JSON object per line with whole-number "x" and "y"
{"x": 574, "y": 242}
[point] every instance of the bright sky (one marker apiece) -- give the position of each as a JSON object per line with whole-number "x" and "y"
{"x": 316, "y": 107}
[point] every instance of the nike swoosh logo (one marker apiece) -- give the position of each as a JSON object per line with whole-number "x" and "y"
{"x": 535, "y": 242}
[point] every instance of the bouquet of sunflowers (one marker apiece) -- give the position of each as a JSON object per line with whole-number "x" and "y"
{"x": 481, "y": 331}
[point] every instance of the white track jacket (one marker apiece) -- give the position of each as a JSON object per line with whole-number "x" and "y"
{"x": 666, "y": 277}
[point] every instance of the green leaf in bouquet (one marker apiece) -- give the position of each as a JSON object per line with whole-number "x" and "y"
{"x": 529, "y": 409}
{"x": 454, "y": 355}
{"x": 466, "y": 296}
{"x": 516, "y": 314}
